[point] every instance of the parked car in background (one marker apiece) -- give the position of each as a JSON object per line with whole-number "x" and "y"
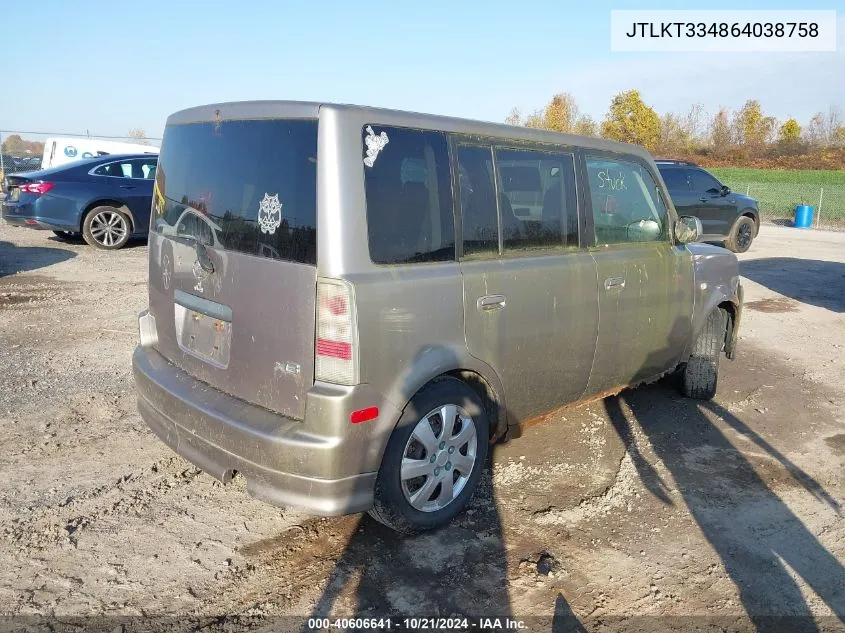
{"x": 724, "y": 214}
{"x": 105, "y": 199}
{"x": 13, "y": 164}
{"x": 59, "y": 151}
{"x": 31, "y": 163}
{"x": 347, "y": 305}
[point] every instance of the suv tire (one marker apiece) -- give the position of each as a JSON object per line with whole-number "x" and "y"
{"x": 107, "y": 228}
{"x": 741, "y": 235}
{"x": 392, "y": 505}
{"x": 702, "y": 369}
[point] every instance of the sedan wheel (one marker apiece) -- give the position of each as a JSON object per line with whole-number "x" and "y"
{"x": 106, "y": 227}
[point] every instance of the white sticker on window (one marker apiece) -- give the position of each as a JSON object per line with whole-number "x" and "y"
{"x": 374, "y": 145}
{"x": 269, "y": 213}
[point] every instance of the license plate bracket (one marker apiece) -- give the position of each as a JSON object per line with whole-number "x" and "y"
{"x": 206, "y": 337}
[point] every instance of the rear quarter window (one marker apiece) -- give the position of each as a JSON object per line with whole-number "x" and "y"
{"x": 409, "y": 195}
{"x": 675, "y": 179}
{"x": 251, "y": 183}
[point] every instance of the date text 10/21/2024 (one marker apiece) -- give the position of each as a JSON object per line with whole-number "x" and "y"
{"x": 417, "y": 624}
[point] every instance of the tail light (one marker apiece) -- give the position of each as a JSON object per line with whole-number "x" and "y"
{"x": 336, "y": 356}
{"x": 37, "y": 188}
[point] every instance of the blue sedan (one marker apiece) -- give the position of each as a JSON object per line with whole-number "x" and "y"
{"x": 106, "y": 199}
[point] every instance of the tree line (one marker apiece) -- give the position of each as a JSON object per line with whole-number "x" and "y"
{"x": 742, "y": 137}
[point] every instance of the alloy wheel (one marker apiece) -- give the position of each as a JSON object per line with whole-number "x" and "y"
{"x": 439, "y": 458}
{"x": 109, "y": 228}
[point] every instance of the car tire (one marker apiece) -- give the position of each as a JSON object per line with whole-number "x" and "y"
{"x": 396, "y": 483}
{"x": 701, "y": 372}
{"x": 107, "y": 228}
{"x": 742, "y": 234}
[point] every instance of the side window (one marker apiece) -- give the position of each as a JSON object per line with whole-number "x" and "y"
{"x": 537, "y": 200}
{"x": 149, "y": 169}
{"x": 675, "y": 179}
{"x": 143, "y": 168}
{"x": 626, "y": 203}
{"x": 409, "y": 195}
{"x": 116, "y": 170}
{"x": 701, "y": 181}
{"x": 479, "y": 222}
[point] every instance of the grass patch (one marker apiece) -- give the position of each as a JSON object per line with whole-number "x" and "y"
{"x": 819, "y": 177}
{"x": 779, "y": 191}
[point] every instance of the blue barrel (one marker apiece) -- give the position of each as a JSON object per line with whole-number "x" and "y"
{"x": 803, "y": 216}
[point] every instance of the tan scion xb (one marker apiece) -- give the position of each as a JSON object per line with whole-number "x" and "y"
{"x": 348, "y": 305}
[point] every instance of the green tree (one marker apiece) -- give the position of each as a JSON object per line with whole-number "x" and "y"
{"x": 561, "y": 113}
{"x": 752, "y": 128}
{"x": 535, "y": 120}
{"x": 790, "y": 132}
{"x": 720, "y": 131}
{"x": 814, "y": 132}
{"x": 585, "y": 126}
{"x": 13, "y": 144}
{"x": 630, "y": 120}
{"x": 675, "y": 137}
{"x": 514, "y": 117}
{"x": 838, "y": 139}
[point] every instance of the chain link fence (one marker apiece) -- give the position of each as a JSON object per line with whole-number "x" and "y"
{"x": 778, "y": 200}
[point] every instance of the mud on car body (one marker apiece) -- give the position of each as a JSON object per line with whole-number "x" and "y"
{"x": 351, "y": 333}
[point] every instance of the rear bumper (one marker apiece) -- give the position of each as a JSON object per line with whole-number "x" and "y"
{"x": 323, "y": 464}
{"x": 27, "y": 214}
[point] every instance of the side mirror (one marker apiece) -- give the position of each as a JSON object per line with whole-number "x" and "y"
{"x": 688, "y": 229}
{"x": 644, "y": 231}
{"x": 725, "y": 190}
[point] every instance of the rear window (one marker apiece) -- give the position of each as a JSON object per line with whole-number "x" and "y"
{"x": 409, "y": 195}
{"x": 247, "y": 186}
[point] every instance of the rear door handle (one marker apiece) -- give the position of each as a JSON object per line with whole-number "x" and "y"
{"x": 614, "y": 282}
{"x": 127, "y": 186}
{"x": 704, "y": 199}
{"x": 490, "y": 302}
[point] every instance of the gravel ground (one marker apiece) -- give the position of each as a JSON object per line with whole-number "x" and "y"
{"x": 638, "y": 512}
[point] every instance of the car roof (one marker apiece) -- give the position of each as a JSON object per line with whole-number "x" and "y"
{"x": 240, "y": 110}
{"x": 669, "y": 162}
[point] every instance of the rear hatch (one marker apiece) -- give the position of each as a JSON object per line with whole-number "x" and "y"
{"x": 233, "y": 256}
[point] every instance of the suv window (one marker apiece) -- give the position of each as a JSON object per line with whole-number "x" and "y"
{"x": 409, "y": 195}
{"x": 700, "y": 180}
{"x": 253, "y": 183}
{"x": 675, "y": 179}
{"x": 479, "y": 220}
{"x": 627, "y": 206}
{"x": 538, "y": 203}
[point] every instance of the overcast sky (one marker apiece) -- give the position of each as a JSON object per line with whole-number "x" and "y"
{"x": 116, "y": 66}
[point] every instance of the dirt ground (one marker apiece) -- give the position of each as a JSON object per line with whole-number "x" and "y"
{"x": 644, "y": 511}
